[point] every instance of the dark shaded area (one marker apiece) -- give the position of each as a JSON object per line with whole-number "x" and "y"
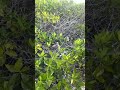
{"x": 17, "y": 44}
{"x": 102, "y": 24}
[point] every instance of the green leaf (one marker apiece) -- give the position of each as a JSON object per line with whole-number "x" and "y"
{"x": 54, "y": 35}
{"x": 27, "y": 83}
{"x": 100, "y": 79}
{"x": 10, "y": 67}
{"x": 109, "y": 69}
{"x": 15, "y": 68}
{"x": 2, "y": 60}
{"x": 31, "y": 42}
{"x": 92, "y": 82}
{"x": 78, "y": 41}
{"x": 11, "y": 53}
{"x": 41, "y": 54}
{"x": 1, "y": 51}
{"x": 48, "y": 44}
{"x": 25, "y": 77}
{"x": 18, "y": 65}
{"x": 12, "y": 81}
{"x": 24, "y": 69}
{"x": 43, "y": 76}
{"x": 98, "y": 71}
{"x": 109, "y": 88}
{"x": 6, "y": 85}
{"x": 1, "y": 12}
{"x": 118, "y": 33}
{"x": 9, "y": 45}
{"x": 26, "y": 86}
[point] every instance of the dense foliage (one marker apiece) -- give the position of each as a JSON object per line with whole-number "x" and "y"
{"x": 104, "y": 61}
{"x": 61, "y": 68}
{"x": 102, "y": 45}
{"x": 16, "y": 47}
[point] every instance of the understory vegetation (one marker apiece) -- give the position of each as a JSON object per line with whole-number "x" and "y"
{"x": 102, "y": 56}
{"x": 49, "y": 49}
{"x": 60, "y": 45}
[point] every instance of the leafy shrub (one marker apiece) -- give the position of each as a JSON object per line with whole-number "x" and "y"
{"x": 63, "y": 68}
{"x": 103, "y": 63}
{"x": 15, "y": 44}
{"x": 58, "y": 70}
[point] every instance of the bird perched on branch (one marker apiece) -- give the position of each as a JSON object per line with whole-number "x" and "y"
{"x": 56, "y": 46}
